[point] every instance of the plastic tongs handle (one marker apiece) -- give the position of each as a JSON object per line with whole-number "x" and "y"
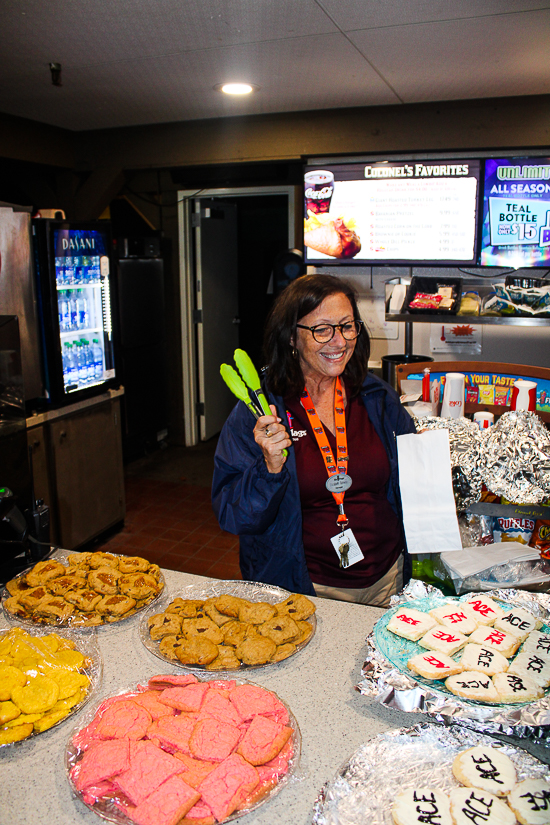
{"x": 237, "y": 387}
{"x": 251, "y": 377}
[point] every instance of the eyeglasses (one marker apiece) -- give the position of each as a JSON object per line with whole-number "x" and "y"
{"x": 323, "y": 333}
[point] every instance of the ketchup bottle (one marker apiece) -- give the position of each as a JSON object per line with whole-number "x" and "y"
{"x": 426, "y": 385}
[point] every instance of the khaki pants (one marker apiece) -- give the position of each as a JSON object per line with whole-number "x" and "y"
{"x": 377, "y": 595}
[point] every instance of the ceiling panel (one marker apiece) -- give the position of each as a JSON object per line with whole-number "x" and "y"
{"x": 128, "y": 62}
{"x": 105, "y": 31}
{"x": 291, "y": 75}
{"x": 371, "y": 14}
{"x": 485, "y": 57}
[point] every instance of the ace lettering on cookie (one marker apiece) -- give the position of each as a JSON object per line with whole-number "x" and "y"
{"x": 477, "y": 809}
{"x": 486, "y": 769}
{"x": 538, "y": 801}
{"x": 428, "y": 810}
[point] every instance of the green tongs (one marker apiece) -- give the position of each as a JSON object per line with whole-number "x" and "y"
{"x": 250, "y": 392}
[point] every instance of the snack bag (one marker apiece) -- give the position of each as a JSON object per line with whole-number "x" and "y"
{"x": 501, "y": 396}
{"x": 487, "y": 394}
{"x": 513, "y": 529}
{"x": 540, "y": 539}
{"x": 472, "y": 395}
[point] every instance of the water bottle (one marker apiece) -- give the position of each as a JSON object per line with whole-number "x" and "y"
{"x": 86, "y": 274}
{"x": 98, "y": 360}
{"x": 65, "y": 312}
{"x": 73, "y": 312}
{"x": 82, "y": 366}
{"x": 69, "y": 270}
{"x": 89, "y": 360}
{"x": 70, "y": 371}
{"x": 83, "y": 320}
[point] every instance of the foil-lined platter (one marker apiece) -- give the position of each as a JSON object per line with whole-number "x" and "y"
{"x": 250, "y": 591}
{"x": 364, "y": 788}
{"x": 109, "y": 802}
{"x": 386, "y": 678}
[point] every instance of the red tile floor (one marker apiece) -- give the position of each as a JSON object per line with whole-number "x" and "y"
{"x": 170, "y": 521}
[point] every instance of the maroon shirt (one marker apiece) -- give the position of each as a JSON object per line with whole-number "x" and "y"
{"x": 375, "y": 526}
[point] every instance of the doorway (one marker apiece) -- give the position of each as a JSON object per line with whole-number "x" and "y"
{"x": 265, "y": 226}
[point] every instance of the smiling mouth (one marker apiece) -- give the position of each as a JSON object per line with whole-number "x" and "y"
{"x": 333, "y": 357}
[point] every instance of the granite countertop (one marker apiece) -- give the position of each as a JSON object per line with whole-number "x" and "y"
{"x": 317, "y": 684}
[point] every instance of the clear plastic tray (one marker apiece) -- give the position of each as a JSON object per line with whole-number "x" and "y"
{"x": 62, "y": 556}
{"x": 106, "y": 807}
{"x": 253, "y": 591}
{"x": 87, "y": 644}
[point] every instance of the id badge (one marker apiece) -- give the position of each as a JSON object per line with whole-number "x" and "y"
{"x": 349, "y": 554}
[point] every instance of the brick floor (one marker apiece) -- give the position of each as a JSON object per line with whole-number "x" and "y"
{"x": 171, "y": 523}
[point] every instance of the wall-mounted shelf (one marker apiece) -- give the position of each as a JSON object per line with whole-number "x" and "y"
{"x": 498, "y": 320}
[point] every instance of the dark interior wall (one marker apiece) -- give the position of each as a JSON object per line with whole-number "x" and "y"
{"x": 44, "y": 166}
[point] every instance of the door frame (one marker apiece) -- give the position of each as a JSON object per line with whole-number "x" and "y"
{"x": 188, "y": 203}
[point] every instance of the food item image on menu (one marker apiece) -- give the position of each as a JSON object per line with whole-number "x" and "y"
{"x": 332, "y": 236}
{"x": 183, "y": 751}
{"x": 90, "y": 589}
{"x": 226, "y": 632}
{"x": 42, "y": 680}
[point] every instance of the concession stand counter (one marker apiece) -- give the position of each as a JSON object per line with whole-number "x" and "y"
{"x": 318, "y": 685}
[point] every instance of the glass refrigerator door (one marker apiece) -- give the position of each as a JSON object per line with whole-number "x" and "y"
{"x": 84, "y": 307}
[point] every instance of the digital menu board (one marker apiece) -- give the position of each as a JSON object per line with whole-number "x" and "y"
{"x": 516, "y": 213}
{"x": 392, "y": 212}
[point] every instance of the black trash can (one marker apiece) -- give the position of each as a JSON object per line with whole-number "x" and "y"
{"x": 390, "y": 362}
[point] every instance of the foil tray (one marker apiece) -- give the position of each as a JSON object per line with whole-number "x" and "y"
{"x": 364, "y": 788}
{"x": 253, "y": 591}
{"x": 387, "y": 679}
{"x": 106, "y": 807}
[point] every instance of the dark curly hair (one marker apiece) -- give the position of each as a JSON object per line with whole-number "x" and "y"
{"x": 283, "y": 374}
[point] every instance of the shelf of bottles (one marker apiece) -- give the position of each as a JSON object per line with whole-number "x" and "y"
{"x": 84, "y": 309}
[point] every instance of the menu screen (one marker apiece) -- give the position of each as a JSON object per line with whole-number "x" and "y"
{"x": 392, "y": 212}
{"x": 516, "y": 213}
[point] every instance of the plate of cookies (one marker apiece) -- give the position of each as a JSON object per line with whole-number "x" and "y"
{"x": 45, "y": 677}
{"x": 480, "y": 649}
{"x": 179, "y": 748}
{"x": 228, "y": 625}
{"x": 432, "y": 775}
{"x": 82, "y": 589}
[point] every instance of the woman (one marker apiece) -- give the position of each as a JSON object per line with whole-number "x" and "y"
{"x": 337, "y": 423}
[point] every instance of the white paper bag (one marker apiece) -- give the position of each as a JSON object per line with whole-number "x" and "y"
{"x": 429, "y": 510}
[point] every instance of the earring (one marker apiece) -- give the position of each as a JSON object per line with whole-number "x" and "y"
{"x": 294, "y": 352}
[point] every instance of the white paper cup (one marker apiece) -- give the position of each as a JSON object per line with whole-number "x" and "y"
{"x": 524, "y": 395}
{"x": 484, "y": 419}
{"x": 453, "y": 395}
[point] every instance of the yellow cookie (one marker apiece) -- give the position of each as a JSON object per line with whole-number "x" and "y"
{"x": 70, "y": 701}
{"x": 38, "y": 696}
{"x": 45, "y": 571}
{"x": 9, "y": 735}
{"x": 69, "y": 682}
{"x": 70, "y": 659}
{"x": 24, "y": 719}
{"x": 10, "y": 677}
{"x": 8, "y": 711}
{"x": 49, "y": 720}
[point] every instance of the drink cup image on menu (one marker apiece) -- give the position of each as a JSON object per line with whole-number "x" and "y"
{"x": 524, "y": 395}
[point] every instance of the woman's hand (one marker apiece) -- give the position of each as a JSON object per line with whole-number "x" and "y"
{"x": 272, "y": 437}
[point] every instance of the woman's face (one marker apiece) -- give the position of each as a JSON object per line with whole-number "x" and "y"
{"x": 325, "y": 360}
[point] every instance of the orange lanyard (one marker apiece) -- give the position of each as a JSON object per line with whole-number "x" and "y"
{"x": 338, "y": 480}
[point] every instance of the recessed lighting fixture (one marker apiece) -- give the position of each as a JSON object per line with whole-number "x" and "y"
{"x": 236, "y": 88}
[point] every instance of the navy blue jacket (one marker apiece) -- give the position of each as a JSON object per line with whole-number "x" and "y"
{"x": 264, "y": 509}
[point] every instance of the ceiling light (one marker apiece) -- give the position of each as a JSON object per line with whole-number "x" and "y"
{"x": 236, "y": 88}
